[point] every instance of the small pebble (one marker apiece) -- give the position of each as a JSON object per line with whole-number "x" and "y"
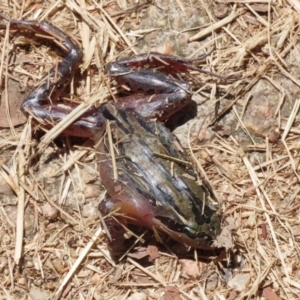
{"x": 38, "y": 294}
{"x": 239, "y": 282}
{"x": 6, "y": 239}
{"x": 3, "y": 263}
{"x": 221, "y": 11}
{"x": 137, "y": 296}
{"x": 49, "y": 212}
{"x": 58, "y": 266}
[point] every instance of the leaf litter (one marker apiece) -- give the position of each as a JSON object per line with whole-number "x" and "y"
{"x": 252, "y": 125}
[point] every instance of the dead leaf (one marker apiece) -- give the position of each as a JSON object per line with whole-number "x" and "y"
{"x": 232, "y": 295}
{"x": 296, "y": 230}
{"x": 190, "y": 268}
{"x": 15, "y": 99}
{"x": 5, "y": 188}
{"x": 171, "y": 293}
{"x": 116, "y": 276}
{"x": 141, "y": 252}
{"x": 141, "y": 279}
{"x": 153, "y": 252}
{"x": 225, "y": 240}
{"x": 270, "y": 294}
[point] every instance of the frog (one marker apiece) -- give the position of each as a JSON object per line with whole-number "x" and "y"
{"x": 149, "y": 178}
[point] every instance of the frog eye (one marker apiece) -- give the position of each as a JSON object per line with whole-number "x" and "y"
{"x": 193, "y": 234}
{"x": 190, "y": 232}
{"x": 177, "y": 227}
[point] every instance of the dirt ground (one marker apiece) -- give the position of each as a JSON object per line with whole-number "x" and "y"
{"x": 245, "y": 138}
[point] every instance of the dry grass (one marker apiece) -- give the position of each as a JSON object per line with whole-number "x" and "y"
{"x": 51, "y": 237}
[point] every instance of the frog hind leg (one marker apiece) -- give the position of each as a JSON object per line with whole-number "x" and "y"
{"x": 159, "y": 106}
{"x": 128, "y": 210}
{"x": 115, "y": 231}
{"x": 41, "y": 102}
{"x": 158, "y": 95}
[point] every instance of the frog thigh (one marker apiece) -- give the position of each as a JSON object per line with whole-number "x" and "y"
{"x": 131, "y": 209}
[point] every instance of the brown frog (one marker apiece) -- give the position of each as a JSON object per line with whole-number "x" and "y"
{"x": 148, "y": 177}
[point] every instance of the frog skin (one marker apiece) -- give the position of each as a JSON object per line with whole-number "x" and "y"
{"x": 148, "y": 190}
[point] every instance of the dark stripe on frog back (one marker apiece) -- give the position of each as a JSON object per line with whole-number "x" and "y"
{"x": 158, "y": 192}
{"x": 166, "y": 138}
{"x": 156, "y": 129}
{"x": 129, "y": 123}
